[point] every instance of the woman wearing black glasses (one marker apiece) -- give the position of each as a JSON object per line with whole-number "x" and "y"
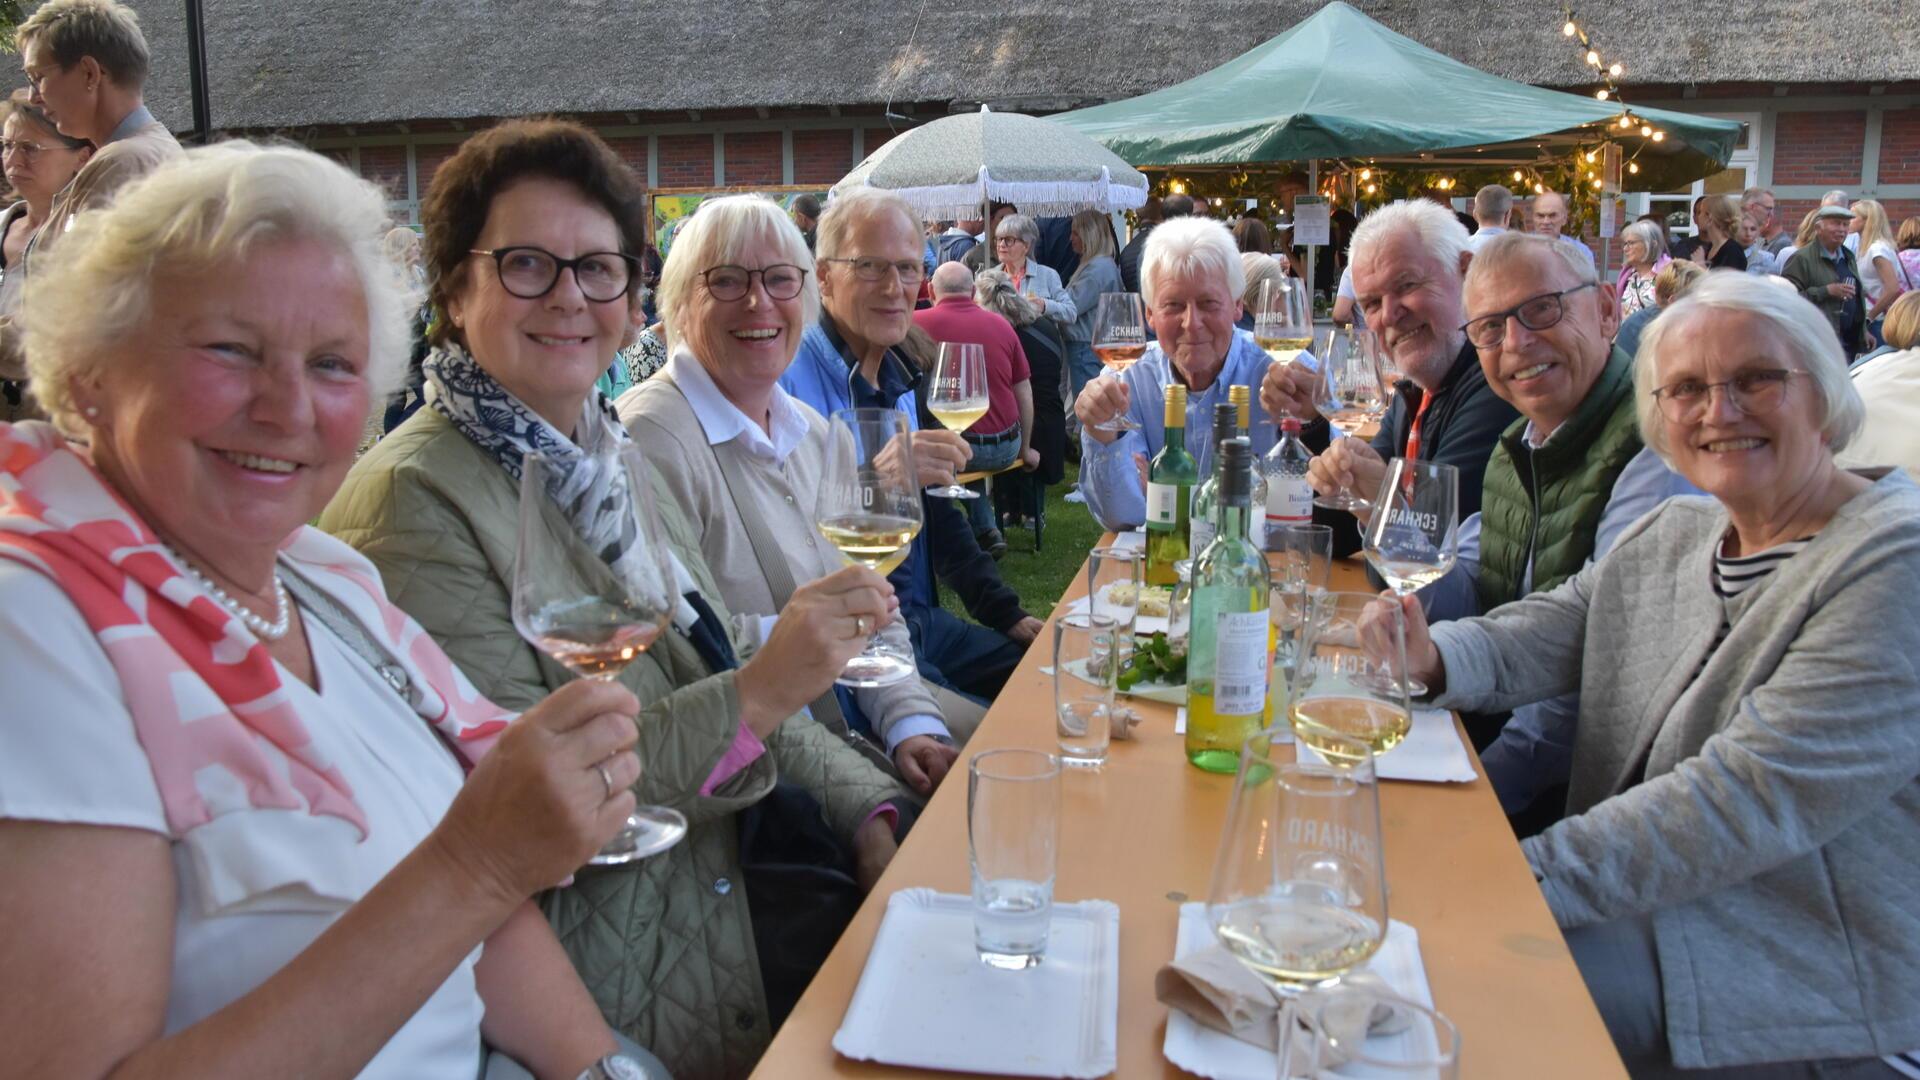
{"x": 39, "y": 161}
{"x": 530, "y": 230}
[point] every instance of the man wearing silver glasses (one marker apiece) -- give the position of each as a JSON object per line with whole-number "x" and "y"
{"x": 1564, "y": 481}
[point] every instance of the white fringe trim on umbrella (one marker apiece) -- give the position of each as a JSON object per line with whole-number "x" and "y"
{"x": 1035, "y": 198}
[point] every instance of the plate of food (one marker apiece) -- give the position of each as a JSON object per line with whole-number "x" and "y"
{"x": 1157, "y": 671}
{"x": 1150, "y": 603}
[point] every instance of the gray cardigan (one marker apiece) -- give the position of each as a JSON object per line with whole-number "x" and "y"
{"x": 1774, "y": 836}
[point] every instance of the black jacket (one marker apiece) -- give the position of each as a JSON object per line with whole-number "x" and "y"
{"x": 1462, "y": 426}
{"x": 955, "y": 557}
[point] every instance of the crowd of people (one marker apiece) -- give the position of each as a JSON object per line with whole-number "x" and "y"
{"x": 281, "y": 782}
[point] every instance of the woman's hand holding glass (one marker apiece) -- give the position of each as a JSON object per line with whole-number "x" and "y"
{"x": 869, "y": 508}
{"x": 538, "y": 804}
{"x": 824, "y": 624}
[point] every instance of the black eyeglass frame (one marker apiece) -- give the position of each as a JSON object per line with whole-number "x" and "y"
{"x": 498, "y": 255}
{"x": 1499, "y": 318}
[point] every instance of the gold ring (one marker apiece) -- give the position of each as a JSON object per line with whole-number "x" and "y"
{"x": 863, "y": 625}
{"x": 606, "y": 778}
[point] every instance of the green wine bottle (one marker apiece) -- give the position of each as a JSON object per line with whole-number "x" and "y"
{"x": 1227, "y": 654}
{"x": 1206, "y": 497}
{"x": 1170, "y": 483}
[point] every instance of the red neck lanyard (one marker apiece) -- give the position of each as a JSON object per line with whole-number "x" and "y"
{"x": 1413, "y": 433}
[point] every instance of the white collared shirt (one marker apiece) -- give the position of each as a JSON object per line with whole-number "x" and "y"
{"x": 722, "y": 420}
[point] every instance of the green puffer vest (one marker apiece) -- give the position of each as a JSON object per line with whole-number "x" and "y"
{"x": 665, "y": 944}
{"x": 1547, "y": 502}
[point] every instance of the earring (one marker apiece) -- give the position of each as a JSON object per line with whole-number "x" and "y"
{"x": 91, "y": 411}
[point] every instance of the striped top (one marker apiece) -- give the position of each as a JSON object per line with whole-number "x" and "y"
{"x": 1733, "y": 575}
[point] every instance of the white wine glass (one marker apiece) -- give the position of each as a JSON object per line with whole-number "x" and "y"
{"x": 1299, "y": 889}
{"x": 1342, "y": 693}
{"x": 958, "y": 398}
{"x": 869, "y": 508}
{"x": 1413, "y": 536}
{"x": 1349, "y": 393}
{"x": 595, "y": 590}
{"x": 1119, "y": 339}
{"x": 1281, "y": 323}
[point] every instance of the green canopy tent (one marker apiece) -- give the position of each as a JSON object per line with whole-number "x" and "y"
{"x": 1340, "y": 85}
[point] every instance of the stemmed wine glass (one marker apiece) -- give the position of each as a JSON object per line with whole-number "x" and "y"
{"x": 1282, "y": 325}
{"x": 1349, "y": 392}
{"x": 958, "y": 397}
{"x": 1119, "y": 339}
{"x": 1299, "y": 890}
{"x": 1413, "y": 536}
{"x": 594, "y": 590}
{"x": 869, "y": 508}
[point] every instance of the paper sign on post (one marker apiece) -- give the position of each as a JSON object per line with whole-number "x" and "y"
{"x": 1312, "y": 218}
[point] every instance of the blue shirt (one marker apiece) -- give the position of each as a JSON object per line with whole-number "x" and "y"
{"x": 1108, "y": 477}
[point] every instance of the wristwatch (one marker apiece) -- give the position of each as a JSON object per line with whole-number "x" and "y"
{"x": 614, "y": 1067}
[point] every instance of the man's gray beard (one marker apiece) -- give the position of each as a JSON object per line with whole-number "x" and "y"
{"x": 1430, "y": 371}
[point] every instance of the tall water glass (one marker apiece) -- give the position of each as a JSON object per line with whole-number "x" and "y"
{"x": 1299, "y": 891}
{"x": 1086, "y": 662}
{"x": 1328, "y": 1039}
{"x": 1013, "y": 839}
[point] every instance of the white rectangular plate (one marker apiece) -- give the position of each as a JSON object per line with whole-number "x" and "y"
{"x": 1219, "y": 1056}
{"x": 925, "y": 999}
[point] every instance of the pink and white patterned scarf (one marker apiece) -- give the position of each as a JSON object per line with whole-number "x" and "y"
{"x": 204, "y": 692}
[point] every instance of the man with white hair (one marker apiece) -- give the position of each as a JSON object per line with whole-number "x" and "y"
{"x": 1565, "y": 481}
{"x": 1191, "y": 281}
{"x": 1492, "y": 209}
{"x": 870, "y": 273}
{"x": 1408, "y": 260}
{"x": 1551, "y": 211}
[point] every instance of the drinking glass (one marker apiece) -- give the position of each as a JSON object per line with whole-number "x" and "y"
{"x": 594, "y": 593}
{"x": 1299, "y": 890}
{"x": 1349, "y": 393}
{"x": 1115, "y": 576}
{"x": 1086, "y": 663}
{"x": 869, "y": 508}
{"x": 1342, "y": 694}
{"x": 958, "y": 398}
{"x": 1413, "y": 537}
{"x": 1423, "y": 1043}
{"x": 1304, "y": 553}
{"x": 1282, "y": 321}
{"x": 1013, "y": 837}
{"x": 1119, "y": 339}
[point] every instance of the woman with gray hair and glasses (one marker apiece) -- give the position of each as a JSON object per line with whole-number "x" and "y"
{"x": 1742, "y": 843}
{"x": 1643, "y": 250}
{"x": 253, "y": 820}
{"x": 1013, "y": 243}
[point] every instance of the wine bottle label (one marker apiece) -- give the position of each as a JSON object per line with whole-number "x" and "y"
{"x": 1202, "y": 533}
{"x": 1240, "y": 663}
{"x": 1289, "y": 501}
{"x": 1163, "y": 503}
{"x": 1257, "y": 530}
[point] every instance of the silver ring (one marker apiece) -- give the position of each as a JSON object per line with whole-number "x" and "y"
{"x": 862, "y": 625}
{"x": 606, "y": 778}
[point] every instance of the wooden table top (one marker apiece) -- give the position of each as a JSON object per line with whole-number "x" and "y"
{"x": 1142, "y": 830}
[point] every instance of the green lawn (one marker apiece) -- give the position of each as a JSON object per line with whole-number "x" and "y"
{"x": 1042, "y": 577}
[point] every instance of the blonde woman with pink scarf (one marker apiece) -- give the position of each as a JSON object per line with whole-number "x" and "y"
{"x": 253, "y": 821}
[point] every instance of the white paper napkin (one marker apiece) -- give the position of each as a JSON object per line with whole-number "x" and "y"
{"x": 1219, "y": 1056}
{"x": 1143, "y": 625}
{"x": 1432, "y": 752}
{"x": 1137, "y": 539}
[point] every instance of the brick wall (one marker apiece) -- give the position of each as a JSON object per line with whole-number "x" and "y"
{"x": 1900, "y": 146}
{"x": 428, "y": 158}
{"x": 1819, "y": 147}
{"x": 753, "y": 157}
{"x": 1899, "y": 210}
{"x": 820, "y": 157}
{"x": 686, "y": 161}
{"x": 633, "y": 151}
{"x": 386, "y": 166}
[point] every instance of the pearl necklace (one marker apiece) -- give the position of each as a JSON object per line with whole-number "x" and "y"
{"x": 266, "y": 631}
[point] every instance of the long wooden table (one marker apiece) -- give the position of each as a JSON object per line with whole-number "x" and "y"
{"x": 1142, "y": 830}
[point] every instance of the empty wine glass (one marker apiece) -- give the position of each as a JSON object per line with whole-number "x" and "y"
{"x": 869, "y": 508}
{"x": 593, "y": 590}
{"x": 1299, "y": 889}
{"x": 958, "y": 397}
{"x": 1349, "y": 393}
{"x": 1119, "y": 339}
{"x": 1413, "y": 537}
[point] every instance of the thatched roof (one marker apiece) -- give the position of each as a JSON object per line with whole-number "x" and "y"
{"x": 291, "y": 64}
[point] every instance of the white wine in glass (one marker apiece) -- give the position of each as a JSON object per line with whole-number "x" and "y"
{"x": 958, "y": 398}
{"x": 1119, "y": 340}
{"x": 1280, "y": 323}
{"x": 1344, "y": 696}
{"x": 1413, "y": 538}
{"x": 1299, "y": 892}
{"x": 596, "y": 591}
{"x": 1348, "y": 392}
{"x": 869, "y": 508}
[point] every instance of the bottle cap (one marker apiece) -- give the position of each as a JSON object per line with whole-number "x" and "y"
{"x": 1176, "y": 406}
{"x": 1236, "y": 475}
{"x": 1290, "y": 425}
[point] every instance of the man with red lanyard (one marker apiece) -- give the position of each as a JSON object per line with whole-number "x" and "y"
{"x": 1409, "y": 260}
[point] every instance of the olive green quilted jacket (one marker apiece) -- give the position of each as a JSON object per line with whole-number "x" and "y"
{"x": 664, "y": 944}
